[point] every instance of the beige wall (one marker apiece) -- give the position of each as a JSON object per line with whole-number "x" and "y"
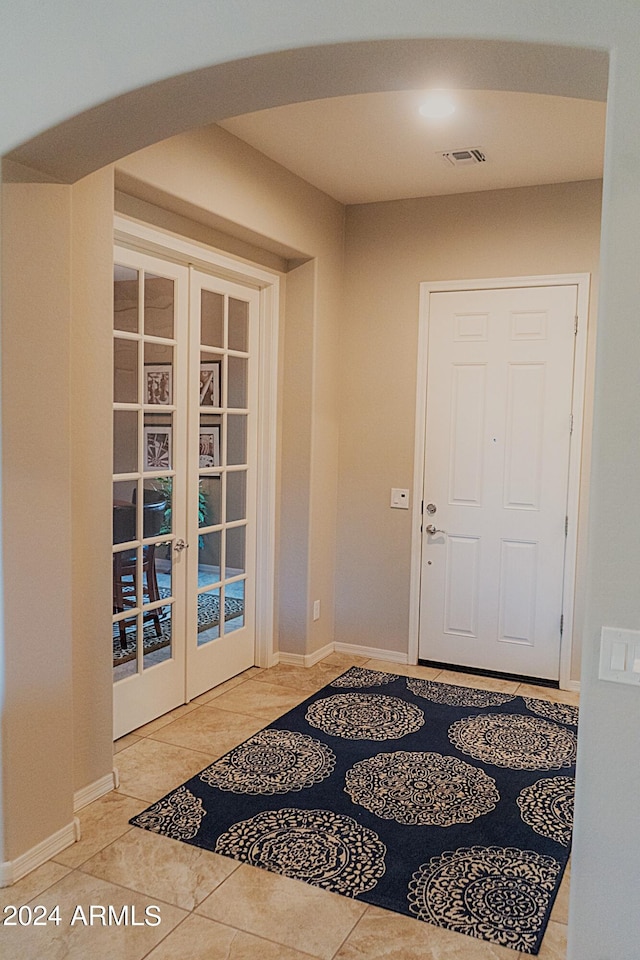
{"x": 216, "y": 180}
{"x": 91, "y": 388}
{"x": 36, "y": 474}
{"x": 390, "y": 249}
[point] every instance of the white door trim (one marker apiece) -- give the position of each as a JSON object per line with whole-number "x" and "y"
{"x": 582, "y": 283}
{"x": 140, "y": 236}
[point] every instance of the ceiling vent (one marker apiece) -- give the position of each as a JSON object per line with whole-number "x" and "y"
{"x": 463, "y": 158}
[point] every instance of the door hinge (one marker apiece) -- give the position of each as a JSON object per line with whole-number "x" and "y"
{"x": 575, "y": 326}
{"x": 571, "y": 425}
{"x": 561, "y": 623}
{"x": 566, "y": 526}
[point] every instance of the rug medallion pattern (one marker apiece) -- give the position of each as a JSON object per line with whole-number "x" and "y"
{"x": 457, "y": 696}
{"x": 270, "y": 762}
{"x": 321, "y": 847}
{"x": 444, "y": 803}
{"x": 520, "y": 743}
{"x": 361, "y": 716}
{"x": 421, "y": 788}
{"x": 547, "y": 806}
{"x": 496, "y": 893}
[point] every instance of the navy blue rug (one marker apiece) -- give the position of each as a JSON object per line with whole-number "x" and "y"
{"x": 449, "y": 804}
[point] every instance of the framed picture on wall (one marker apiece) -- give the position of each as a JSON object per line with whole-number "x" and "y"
{"x": 157, "y": 448}
{"x": 210, "y": 446}
{"x": 210, "y": 383}
{"x": 158, "y": 383}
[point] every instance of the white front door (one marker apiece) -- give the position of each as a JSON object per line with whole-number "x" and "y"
{"x": 498, "y": 432}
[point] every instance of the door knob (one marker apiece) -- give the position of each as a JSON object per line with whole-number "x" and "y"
{"x": 180, "y": 545}
{"x": 431, "y": 530}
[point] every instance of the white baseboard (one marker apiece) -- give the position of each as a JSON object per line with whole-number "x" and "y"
{"x": 13, "y": 870}
{"x": 572, "y": 685}
{"x": 95, "y": 790}
{"x": 308, "y": 659}
{"x": 372, "y": 653}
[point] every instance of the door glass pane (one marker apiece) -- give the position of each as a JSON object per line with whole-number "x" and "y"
{"x": 155, "y": 506}
{"x": 208, "y": 616}
{"x": 211, "y": 319}
{"x": 158, "y": 374}
{"x": 235, "y": 554}
{"x": 238, "y": 324}
{"x": 125, "y": 648}
{"x": 157, "y": 451}
{"x": 157, "y": 636}
{"x": 236, "y": 439}
{"x": 125, "y": 580}
{"x": 210, "y": 501}
{"x": 210, "y": 381}
{"x": 158, "y": 306}
{"x": 125, "y": 299}
{"x": 124, "y": 511}
{"x": 125, "y": 441}
{"x": 158, "y": 495}
{"x": 237, "y": 386}
{"x": 234, "y": 606}
{"x": 210, "y": 441}
{"x": 236, "y": 495}
{"x": 209, "y": 558}
{"x": 125, "y": 371}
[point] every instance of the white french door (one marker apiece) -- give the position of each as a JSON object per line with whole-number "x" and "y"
{"x": 186, "y": 367}
{"x": 222, "y": 481}
{"x": 500, "y": 386}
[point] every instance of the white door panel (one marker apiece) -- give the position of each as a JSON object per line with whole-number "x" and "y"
{"x": 499, "y": 396}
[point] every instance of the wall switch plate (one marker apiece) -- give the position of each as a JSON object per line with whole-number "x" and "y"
{"x": 400, "y": 498}
{"x": 620, "y": 656}
{"x": 316, "y": 609}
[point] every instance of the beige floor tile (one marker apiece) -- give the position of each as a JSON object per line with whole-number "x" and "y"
{"x": 79, "y": 941}
{"x": 549, "y": 693}
{"x": 383, "y": 935}
{"x": 344, "y": 660}
{"x": 33, "y": 884}
{"x": 166, "y": 718}
{"x": 101, "y": 822}
{"x": 403, "y": 669}
{"x": 198, "y": 938}
{"x": 560, "y": 912}
{"x": 287, "y": 911}
{"x": 480, "y": 683}
{"x": 210, "y": 730}
{"x": 266, "y": 701}
{"x": 223, "y": 687}
{"x": 160, "y": 867}
{"x": 307, "y": 679}
{"x": 150, "y": 769}
{"x": 124, "y": 742}
{"x": 554, "y": 945}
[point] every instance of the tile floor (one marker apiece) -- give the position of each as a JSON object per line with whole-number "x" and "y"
{"x": 213, "y": 908}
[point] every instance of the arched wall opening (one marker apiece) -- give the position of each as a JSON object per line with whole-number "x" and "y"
{"x": 75, "y": 152}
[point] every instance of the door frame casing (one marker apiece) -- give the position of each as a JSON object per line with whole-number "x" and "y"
{"x": 582, "y": 283}
{"x": 147, "y": 239}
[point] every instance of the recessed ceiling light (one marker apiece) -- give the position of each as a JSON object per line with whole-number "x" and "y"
{"x": 437, "y": 104}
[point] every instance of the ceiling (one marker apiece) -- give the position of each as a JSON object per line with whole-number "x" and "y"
{"x": 376, "y": 146}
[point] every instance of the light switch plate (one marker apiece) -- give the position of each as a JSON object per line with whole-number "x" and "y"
{"x": 400, "y": 498}
{"x": 620, "y": 656}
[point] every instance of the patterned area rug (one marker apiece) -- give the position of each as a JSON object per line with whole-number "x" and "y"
{"x": 208, "y": 616}
{"x": 449, "y": 804}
